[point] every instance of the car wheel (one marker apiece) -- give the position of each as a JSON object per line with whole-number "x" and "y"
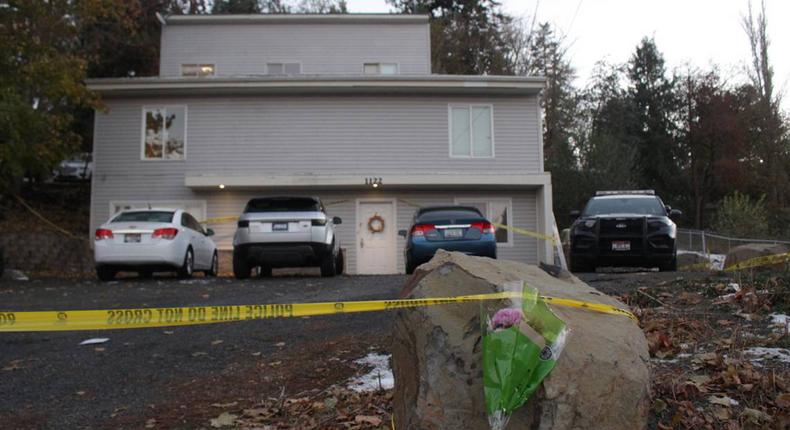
{"x": 577, "y": 267}
{"x": 188, "y": 267}
{"x": 241, "y": 270}
{"x": 339, "y": 263}
{"x": 328, "y": 268}
{"x": 214, "y": 270}
{"x": 672, "y": 266}
{"x": 264, "y": 272}
{"x": 105, "y": 274}
{"x": 410, "y": 267}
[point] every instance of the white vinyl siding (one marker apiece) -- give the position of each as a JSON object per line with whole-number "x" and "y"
{"x": 197, "y": 70}
{"x": 498, "y": 211}
{"x": 164, "y": 133}
{"x": 196, "y": 208}
{"x": 244, "y": 49}
{"x": 471, "y": 131}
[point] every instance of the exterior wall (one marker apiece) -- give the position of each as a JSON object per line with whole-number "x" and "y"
{"x": 338, "y": 134}
{"x": 321, "y": 48}
{"x": 286, "y": 135}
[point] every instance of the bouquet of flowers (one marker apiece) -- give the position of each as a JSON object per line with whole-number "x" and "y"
{"x": 521, "y": 345}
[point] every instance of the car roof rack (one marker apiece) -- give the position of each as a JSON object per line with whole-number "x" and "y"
{"x": 614, "y": 193}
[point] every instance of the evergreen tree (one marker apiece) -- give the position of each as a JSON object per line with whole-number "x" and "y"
{"x": 653, "y": 97}
{"x": 467, "y": 36}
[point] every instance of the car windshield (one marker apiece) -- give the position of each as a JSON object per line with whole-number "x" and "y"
{"x": 145, "y": 216}
{"x": 283, "y": 204}
{"x": 624, "y": 205}
{"x": 454, "y": 216}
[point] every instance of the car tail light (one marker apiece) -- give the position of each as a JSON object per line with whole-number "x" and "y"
{"x": 103, "y": 233}
{"x": 421, "y": 229}
{"x": 165, "y": 233}
{"x": 243, "y": 223}
{"x": 484, "y": 226}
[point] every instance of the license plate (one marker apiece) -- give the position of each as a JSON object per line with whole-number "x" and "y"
{"x": 621, "y": 245}
{"x": 453, "y": 233}
{"x": 279, "y": 226}
{"x": 131, "y": 238}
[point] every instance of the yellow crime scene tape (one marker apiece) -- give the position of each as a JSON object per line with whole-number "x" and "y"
{"x": 759, "y": 261}
{"x": 529, "y": 233}
{"x": 108, "y": 319}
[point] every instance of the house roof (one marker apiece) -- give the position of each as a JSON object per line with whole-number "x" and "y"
{"x": 347, "y": 18}
{"x": 319, "y": 84}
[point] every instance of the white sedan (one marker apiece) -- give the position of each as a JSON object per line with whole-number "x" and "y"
{"x": 154, "y": 240}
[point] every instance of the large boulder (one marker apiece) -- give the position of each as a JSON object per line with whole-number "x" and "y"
{"x": 742, "y": 253}
{"x": 601, "y": 380}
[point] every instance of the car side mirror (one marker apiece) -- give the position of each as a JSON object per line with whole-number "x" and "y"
{"x": 575, "y": 214}
{"x": 209, "y": 232}
{"x": 675, "y": 214}
{"x": 403, "y": 233}
{"x": 337, "y": 221}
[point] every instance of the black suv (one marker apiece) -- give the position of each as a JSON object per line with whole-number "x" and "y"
{"x": 624, "y": 228}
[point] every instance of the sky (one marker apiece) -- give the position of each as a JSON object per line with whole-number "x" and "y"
{"x": 698, "y": 33}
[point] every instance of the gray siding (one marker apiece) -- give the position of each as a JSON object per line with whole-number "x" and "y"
{"x": 286, "y": 135}
{"x": 289, "y": 135}
{"x": 244, "y": 49}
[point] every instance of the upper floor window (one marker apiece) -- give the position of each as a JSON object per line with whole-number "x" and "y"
{"x": 471, "y": 131}
{"x": 164, "y": 133}
{"x": 197, "y": 70}
{"x": 380, "y": 69}
{"x": 283, "y": 68}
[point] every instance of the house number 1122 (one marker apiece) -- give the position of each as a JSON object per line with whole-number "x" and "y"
{"x": 373, "y": 181}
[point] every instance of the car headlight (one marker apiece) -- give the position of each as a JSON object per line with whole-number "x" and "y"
{"x": 586, "y": 225}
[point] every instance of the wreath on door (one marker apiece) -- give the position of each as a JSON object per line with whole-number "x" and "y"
{"x": 376, "y": 224}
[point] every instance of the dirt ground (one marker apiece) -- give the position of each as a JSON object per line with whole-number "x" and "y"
{"x": 705, "y": 333}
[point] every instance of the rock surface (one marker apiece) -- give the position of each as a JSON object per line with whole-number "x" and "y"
{"x": 601, "y": 380}
{"x": 753, "y": 250}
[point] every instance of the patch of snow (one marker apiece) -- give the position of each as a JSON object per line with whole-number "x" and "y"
{"x": 781, "y": 320}
{"x": 680, "y": 356}
{"x": 716, "y": 260}
{"x": 759, "y": 353}
{"x": 379, "y": 377}
{"x": 16, "y": 275}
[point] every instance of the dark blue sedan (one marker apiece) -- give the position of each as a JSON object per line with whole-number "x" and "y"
{"x": 452, "y": 228}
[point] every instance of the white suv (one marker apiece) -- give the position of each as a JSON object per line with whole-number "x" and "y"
{"x": 278, "y": 232}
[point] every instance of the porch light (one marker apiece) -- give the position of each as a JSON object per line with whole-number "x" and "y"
{"x": 375, "y": 185}
{"x": 221, "y": 186}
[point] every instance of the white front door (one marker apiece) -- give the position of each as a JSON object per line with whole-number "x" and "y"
{"x": 376, "y": 238}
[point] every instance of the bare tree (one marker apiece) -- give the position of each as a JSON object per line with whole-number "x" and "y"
{"x": 761, "y": 73}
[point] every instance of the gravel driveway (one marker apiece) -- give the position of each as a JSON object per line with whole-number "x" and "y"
{"x": 47, "y": 380}
{"x": 175, "y": 376}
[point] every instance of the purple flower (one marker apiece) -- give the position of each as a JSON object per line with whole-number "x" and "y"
{"x": 505, "y": 318}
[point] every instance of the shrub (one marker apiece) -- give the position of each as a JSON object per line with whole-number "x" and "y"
{"x": 740, "y": 216}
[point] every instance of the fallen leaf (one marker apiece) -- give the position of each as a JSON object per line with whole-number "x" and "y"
{"x": 783, "y": 400}
{"x": 223, "y": 420}
{"x": 150, "y": 423}
{"x": 368, "y": 419}
{"x": 280, "y": 344}
{"x": 216, "y": 342}
{"x": 755, "y": 416}
{"x": 13, "y": 365}
{"x": 659, "y": 406}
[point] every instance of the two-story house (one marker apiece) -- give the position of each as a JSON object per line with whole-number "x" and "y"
{"x": 343, "y": 107}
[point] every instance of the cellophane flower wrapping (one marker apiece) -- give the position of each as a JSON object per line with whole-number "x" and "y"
{"x": 521, "y": 345}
